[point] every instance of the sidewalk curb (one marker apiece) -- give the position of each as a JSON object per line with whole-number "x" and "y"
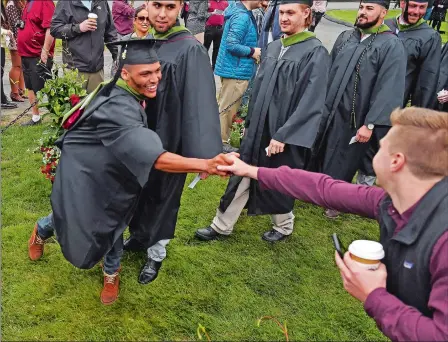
{"x": 338, "y": 21}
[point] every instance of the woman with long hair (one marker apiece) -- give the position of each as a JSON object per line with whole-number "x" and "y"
{"x": 141, "y": 30}
{"x": 14, "y": 9}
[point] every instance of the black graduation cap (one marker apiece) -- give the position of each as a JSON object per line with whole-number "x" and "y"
{"x": 384, "y": 3}
{"x": 302, "y": 2}
{"x": 137, "y": 51}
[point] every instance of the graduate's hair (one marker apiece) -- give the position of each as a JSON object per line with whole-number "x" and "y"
{"x": 309, "y": 19}
{"x": 422, "y": 136}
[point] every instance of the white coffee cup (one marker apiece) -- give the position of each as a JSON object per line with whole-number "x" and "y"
{"x": 367, "y": 254}
{"x": 92, "y": 16}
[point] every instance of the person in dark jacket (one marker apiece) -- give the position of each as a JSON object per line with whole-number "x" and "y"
{"x": 438, "y": 13}
{"x": 83, "y": 38}
{"x": 407, "y": 295}
{"x": 423, "y": 46}
{"x": 270, "y": 28}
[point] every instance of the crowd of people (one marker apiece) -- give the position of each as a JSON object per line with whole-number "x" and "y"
{"x": 316, "y": 120}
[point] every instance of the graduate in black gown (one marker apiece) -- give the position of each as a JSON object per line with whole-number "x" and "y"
{"x": 285, "y": 110}
{"x": 107, "y": 156}
{"x": 423, "y": 45}
{"x": 366, "y": 82}
{"x": 186, "y": 118}
{"x": 442, "y": 99}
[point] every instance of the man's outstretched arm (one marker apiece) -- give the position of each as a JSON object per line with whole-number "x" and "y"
{"x": 313, "y": 187}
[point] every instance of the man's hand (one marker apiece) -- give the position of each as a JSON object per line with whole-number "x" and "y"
{"x": 363, "y": 135}
{"x": 275, "y": 147}
{"x": 257, "y": 55}
{"x": 220, "y": 159}
{"x": 87, "y": 25}
{"x": 443, "y": 98}
{"x": 239, "y": 168}
{"x": 358, "y": 281}
{"x": 44, "y": 56}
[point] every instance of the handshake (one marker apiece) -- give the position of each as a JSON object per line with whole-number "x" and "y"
{"x": 225, "y": 165}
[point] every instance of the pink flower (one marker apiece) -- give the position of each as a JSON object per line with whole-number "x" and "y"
{"x": 72, "y": 119}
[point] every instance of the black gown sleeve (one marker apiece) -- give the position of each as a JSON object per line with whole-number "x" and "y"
{"x": 388, "y": 91}
{"x": 302, "y": 126}
{"x": 120, "y": 127}
{"x": 201, "y": 132}
{"x": 426, "y": 87}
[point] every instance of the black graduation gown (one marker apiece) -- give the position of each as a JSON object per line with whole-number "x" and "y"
{"x": 286, "y": 105}
{"x": 443, "y": 78}
{"x": 423, "y": 45}
{"x": 379, "y": 91}
{"x": 106, "y": 160}
{"x": 185, "y": 116}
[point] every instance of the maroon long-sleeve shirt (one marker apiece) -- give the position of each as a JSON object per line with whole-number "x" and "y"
{"x": 395, "y": 319}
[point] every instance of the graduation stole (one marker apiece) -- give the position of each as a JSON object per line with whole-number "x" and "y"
{"x": 405, "y": 27}
{"x": 123, "y": 85}
{"x": 297, "y": 38}
{"x": 167, "y": 34}
{"x": 75, "y": 113}
{"x": 381, "y": 29}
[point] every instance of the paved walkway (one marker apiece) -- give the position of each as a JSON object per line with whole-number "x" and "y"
{"x": 326, "y": 31}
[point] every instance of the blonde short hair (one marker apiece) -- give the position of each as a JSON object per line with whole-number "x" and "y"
{"x": 422, "y": 136}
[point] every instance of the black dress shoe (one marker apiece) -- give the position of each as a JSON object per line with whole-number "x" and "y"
{"x": 149, "y": 271}
{"x": 273, "y": 236}
{"x": 227, "y": 148}
{"x": 207, "y": 234}
{"x": 133, "y": 245}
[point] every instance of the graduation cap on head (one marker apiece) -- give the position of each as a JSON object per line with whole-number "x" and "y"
{"x": 302, "y": 2}
{"x": 134, "y": 52}
{"x": 137, "y": 51}
{"x": 384, "y": 3}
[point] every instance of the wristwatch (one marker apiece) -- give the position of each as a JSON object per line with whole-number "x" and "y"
{"x": 371, "y": 126}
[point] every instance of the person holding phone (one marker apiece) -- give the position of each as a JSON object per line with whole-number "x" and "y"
{"x": 213, "y": 27}
{"x": 406, "y": 296}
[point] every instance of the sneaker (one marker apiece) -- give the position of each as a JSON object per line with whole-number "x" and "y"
{"x": 35, "y": 245}
{"x": 109, "y": 294}
{"x": 9, "y": 105}
{"x": 31, "y": 123}
{"x": 331, "y": 214}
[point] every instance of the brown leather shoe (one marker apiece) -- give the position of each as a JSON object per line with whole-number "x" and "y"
{"x": 35, "y": 245}
{"x": 111, "y": 287}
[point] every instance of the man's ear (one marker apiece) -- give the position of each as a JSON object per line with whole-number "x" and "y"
{"x": 397, "y": 162}
{"x": 383, "y": 13}
{"x": 125, "y": 74}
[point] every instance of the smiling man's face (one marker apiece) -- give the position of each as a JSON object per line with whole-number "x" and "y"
{"x": 163, "y": 14}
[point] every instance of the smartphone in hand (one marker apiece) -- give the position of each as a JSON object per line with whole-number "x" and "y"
{"x": 337, "y": 245}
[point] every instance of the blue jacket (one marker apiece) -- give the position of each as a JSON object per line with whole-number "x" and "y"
{"x": 239, "y": 36}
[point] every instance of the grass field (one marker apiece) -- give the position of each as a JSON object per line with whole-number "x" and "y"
{"x": 224, "y": 285}
{"x": 350, "y": 16}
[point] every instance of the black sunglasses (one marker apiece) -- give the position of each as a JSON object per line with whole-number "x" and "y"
{"x": 142, "y": 19}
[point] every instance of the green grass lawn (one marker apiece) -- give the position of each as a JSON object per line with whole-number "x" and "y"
{"x": 350, "y": 16}
{"x": 223, "y": 285}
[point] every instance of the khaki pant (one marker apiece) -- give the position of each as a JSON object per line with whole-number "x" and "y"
{"x": 231, "y": 90}
{"x": 223, "y": 222}
{"x": 92, "y": 80}
{"x": 200, "y": 37}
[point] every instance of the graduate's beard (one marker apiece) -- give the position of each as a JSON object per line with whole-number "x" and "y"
{"x": 368, "y": 24}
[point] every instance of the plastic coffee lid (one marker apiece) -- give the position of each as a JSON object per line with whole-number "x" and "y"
{"x": 92, "y": 16}
{"x": 370, "y": 250}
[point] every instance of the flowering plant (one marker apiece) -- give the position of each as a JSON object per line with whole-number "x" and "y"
{"x": 237, "y": 131}
{"x": 60, "y": 94}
